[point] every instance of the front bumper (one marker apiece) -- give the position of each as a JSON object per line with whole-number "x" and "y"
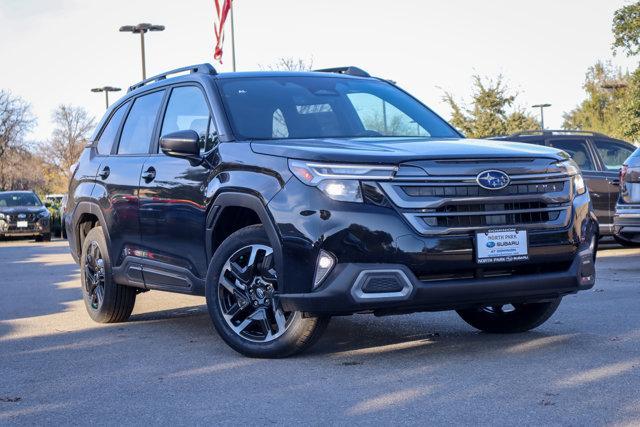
{"x": 442, "y": 271}
{"x": 36, "y": 228}
{"x": 344, "y": 293}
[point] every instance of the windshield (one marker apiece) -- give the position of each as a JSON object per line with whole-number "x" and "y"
{"x": 11, "y": 200}
{"x": 325, "y": 107}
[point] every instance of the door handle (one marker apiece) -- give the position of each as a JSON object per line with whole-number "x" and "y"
{"x": 615, "y": 181}
{"x": 149, "y": 175}
{"x": 104, "y": 173}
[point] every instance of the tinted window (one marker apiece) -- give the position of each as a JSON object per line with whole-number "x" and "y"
{"x": 577, "y": 149}
{"x": 138, "y": 128}
{"x": 187, "y": 110}
{"x": 380, "y": 117}
{"x": 613, "y": 154}
{"x": 325, "y": 107}
{"x": 18, "y": 199}
{"x": 110, "y": 131}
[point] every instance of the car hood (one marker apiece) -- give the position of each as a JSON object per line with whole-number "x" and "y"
{"x": 21, "y": 209}
{"x": 397, "y": 150}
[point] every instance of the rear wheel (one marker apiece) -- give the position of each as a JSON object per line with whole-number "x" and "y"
{"x": 510, "y": 318}
{"x": 242, "y": 297}
{"x": 105, "y": 300}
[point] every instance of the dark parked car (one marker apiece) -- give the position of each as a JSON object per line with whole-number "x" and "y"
{"x": 289, "y": 197}
{"x": 23, "y": 214}
{"x": 600, "y": 159}
{"x": 627, "y": 219}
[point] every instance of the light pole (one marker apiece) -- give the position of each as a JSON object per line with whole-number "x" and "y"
{"x": 142, "y": 29}
{"x": 542, "y": 107}
{"x": 106, "y": 90}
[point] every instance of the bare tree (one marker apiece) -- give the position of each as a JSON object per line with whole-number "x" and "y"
{"x": 16, "y": 120}
{"x": 69, "y": 137}
{"x": 290, "y": 64}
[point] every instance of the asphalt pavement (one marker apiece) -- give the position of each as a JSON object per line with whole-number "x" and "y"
{"x": 168, "y": 366}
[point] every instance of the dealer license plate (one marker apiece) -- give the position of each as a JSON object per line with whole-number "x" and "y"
{"x": 22, "y": 224}
{"x": 502, "y": 245}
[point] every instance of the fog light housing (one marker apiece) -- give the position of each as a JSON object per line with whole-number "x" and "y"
{"x": 324, "y": 265}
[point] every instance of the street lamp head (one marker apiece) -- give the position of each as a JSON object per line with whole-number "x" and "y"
{"x": 141, "y": 28}
{"x": 541, "y": 106}
{"x": 106, "y": 89}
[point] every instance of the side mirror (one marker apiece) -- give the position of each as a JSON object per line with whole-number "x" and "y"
{"x": 183, "y": 143}
{"x": 47, "y": 204}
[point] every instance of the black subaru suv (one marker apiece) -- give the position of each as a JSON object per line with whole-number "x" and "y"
{"x": 22, "y": 214}
{"x": 289, "y": 197}
{"x": 599, "y": 157}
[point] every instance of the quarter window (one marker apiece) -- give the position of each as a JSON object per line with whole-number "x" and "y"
{"x": 578, "y": 151}
{"x": 108, "y": 136}
{"x": 613, "y": 154}
{"x": 138, "y": 128}
{"x": 187, "y": 110}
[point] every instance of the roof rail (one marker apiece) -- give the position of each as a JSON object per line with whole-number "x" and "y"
{"x": 350, "y": 70}
{"x": 198, "y": 68}
{"x": 551, "y": 132}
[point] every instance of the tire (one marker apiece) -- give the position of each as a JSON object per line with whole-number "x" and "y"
{"x": 246, "y": 312}
{"x": 498, "y": 320}
{"x": 44, "y": 238}
{"x": 626, "y": 242}
{"x": 105, "y": 300}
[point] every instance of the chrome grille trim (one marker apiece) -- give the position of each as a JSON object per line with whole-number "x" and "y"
{"x": 417, "y": 208}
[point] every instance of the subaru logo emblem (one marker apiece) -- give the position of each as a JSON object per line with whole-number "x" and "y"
{"x": 493, "y": 179}
{"x": 491, "y": 244}
{"x": 22, "y": 216}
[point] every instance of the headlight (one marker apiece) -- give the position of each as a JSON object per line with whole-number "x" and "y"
{"x": 573, "y": 170}
{"x": 339, "y": 181}
{"x": 578, "y": 184}
{"x": 1, "y": 216}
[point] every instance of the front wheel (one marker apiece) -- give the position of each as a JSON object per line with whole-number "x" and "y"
{"x": 510, "y": 318}
{"x": 242, "y": 298}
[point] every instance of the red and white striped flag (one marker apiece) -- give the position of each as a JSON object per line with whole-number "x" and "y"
{"x": 221, "y": 17}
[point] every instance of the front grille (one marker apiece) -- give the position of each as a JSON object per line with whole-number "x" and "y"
{"x": 31, "y": 217}
{"x": 474, "y": 216}
{"x": 476, "y": 190}
{"x": 458, "y": 205}
{"x": 382, "y": 284}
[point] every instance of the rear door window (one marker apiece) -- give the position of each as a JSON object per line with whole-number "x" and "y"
{"x": 577, "y": 149}
{"x": 138, "y": 128}
{"x": 108, "y": 136}
{"x": 613, "y": 153}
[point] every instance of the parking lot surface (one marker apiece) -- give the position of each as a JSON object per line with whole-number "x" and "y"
{"x": 168, "y": 366}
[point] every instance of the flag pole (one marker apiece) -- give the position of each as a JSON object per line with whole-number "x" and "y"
{"x": 233, "y": 41}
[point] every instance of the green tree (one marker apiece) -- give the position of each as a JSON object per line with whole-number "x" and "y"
{"x": 626, "y": 29}
{"x": 601, "y": 111}
{"x": 492, "y": 111}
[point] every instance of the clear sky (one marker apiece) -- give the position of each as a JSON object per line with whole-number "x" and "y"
{"x": 55, "y": 51}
